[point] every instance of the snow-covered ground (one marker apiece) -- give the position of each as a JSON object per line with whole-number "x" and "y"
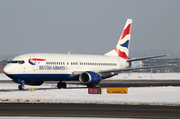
{"x": 47, "y": 93}
{"x": 132, "y": 76}
{"x": 79, "y": 94}
{"x": 147, "y": 76}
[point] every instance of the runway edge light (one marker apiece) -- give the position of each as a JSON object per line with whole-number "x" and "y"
{"x": 117, "y": 90}
{"x": 95, "y": 91}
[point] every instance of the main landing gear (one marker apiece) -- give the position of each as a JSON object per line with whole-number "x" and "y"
{"x": 61, "y": 85}
{"x": 91, "y": 86}
{"x": 21, "y": 87}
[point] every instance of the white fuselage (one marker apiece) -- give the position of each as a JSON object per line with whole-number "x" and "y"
{"x": 42, "y": 65}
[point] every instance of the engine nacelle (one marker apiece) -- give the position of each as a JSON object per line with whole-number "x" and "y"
{"x": 33, "y": 83}
{"x": 89, "y": 77}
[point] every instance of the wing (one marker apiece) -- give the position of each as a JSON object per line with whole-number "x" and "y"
{"x": 108, "y": 73}
{"x": 112, "y": 72}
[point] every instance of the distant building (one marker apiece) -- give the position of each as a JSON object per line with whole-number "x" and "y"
{"x": 2, "y": 65}
{"x": 174, "y": 65}
{"x": 134, "y": 64}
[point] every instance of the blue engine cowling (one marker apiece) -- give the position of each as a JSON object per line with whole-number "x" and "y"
{"x": 89, "y": 77}
{"x": 33, "y": 83}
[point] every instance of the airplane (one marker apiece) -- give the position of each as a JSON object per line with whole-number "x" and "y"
{"x": 35, "y": 68}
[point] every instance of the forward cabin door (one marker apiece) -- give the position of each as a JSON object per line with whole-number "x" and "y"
{"x": 35, "y": 67}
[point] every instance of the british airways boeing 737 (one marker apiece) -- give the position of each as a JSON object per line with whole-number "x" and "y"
{"x": 34, "y": 69}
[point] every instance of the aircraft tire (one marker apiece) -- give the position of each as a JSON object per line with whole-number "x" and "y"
{"x": 21, "y": 87}
{"x": 59, "y": 85}
{"x": 91, "y": 86}
{"x": 64, "y": 85}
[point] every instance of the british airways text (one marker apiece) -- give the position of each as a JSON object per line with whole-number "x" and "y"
{"x": 45, "y": 67}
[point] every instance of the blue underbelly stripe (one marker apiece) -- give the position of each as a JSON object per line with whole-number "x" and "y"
{"x": 45, "y": 77}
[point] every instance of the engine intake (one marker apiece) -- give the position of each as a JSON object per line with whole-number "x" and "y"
{"x": 89, "y": 77}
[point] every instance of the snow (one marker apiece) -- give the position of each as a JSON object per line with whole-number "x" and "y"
{"x": 132, "y": 76}
{"x": 47, "y": 93}
{"x": 147, "y": 76}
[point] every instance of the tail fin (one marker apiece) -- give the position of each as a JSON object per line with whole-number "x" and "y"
{"x": 122, "y": 47}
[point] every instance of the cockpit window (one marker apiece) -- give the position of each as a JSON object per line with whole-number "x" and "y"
{"x": 19, "y": 62}
{"x": 13, "y": 61}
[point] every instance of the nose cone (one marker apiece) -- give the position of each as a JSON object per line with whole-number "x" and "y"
{"x": 8, "y": 69}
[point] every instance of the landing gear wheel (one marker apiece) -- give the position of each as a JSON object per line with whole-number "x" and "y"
{"x": 91, "y": 86}
{"x": 61, "y": 85}
{"x": 64, "y": 85}
{"x": 21, "y": 87}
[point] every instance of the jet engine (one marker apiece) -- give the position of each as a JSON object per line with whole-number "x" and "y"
{"x": 89, "y": 77}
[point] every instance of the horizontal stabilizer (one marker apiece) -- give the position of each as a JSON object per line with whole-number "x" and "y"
{"x": 136, "y": 59}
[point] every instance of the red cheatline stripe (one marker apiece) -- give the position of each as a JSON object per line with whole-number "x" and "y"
{"x": 126, "y": 31}
{"x": 36, "y": 59}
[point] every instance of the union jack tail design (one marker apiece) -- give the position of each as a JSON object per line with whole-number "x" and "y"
{"x": 122, "y": 47}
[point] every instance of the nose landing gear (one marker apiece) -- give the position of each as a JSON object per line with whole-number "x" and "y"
{"x": 59, "y": 85}
{"x": 21, "y": 87}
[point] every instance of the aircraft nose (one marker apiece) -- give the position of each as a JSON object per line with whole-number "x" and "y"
{"x": 7, "y": 69}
